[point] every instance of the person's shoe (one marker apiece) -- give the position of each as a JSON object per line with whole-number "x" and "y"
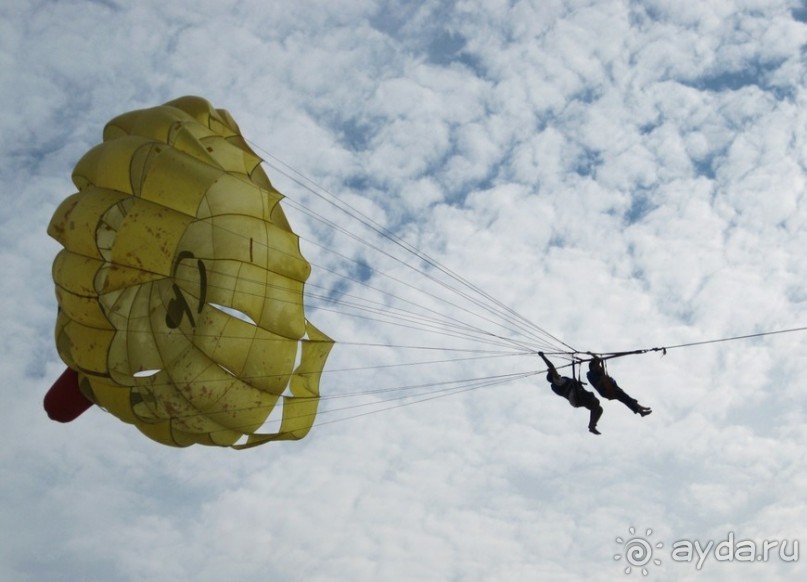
{"x": 593, "y": 429}
{"x": 645, "y": 411}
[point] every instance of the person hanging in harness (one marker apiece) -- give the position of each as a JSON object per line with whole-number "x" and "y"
{"x": 608, "y": 388}
{"x": 572, "y": 390}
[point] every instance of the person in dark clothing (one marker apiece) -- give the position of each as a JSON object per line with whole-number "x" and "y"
{"x": 573, "y": 391}
{"x": 608, "y": 388}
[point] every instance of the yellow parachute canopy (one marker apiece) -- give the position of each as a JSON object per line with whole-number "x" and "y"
{"x": 180, "y": 285}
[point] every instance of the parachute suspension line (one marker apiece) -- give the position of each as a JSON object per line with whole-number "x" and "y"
{"x": 443, "y": 324}
{"x": 451, "y": 388}
{"x": 431, "y": 348}
{"x": 447, "y": 326}
{"x": 440, "y": 317}
{"x": 516, "y": 326}
{"x": 329, "y": 198}
{"x": 423, "y": 327}
{"x": 429, "y": 396}
{"x": 448, "y": 384}
{"x": 502, "y": 310}
{"x": 480, "y": 356}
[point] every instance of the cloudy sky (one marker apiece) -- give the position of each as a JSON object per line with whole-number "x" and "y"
{"x": 622, "y": 174}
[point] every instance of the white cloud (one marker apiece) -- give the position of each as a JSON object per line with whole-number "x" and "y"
{"x": 625, "y": 174}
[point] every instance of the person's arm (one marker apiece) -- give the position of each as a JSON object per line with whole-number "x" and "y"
{"x": 552, "y": 371}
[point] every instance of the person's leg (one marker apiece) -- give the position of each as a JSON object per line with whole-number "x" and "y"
{"x": 590, "y": 401}
{"x": 628, "y": 401}
{"x": 594, "y": 417}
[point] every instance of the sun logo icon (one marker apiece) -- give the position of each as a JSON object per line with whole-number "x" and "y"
{"x": 638, "y": 551}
